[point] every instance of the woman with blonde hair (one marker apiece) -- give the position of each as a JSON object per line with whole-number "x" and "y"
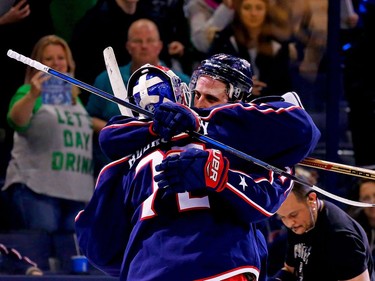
{"x": 49, "y": 177}
{"x": 38, "y": 54}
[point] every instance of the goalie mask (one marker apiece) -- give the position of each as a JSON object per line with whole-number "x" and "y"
{"x": 235, "y": 72}
{"x": 150, "y": 85}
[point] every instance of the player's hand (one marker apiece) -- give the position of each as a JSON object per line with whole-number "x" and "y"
{"x": 171, "y": 119}
{"x": 193, "y": 169}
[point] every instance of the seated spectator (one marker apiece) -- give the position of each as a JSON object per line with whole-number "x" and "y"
{"x": 49, "y": 177}
{"x": 144, "y": 46}
{"x": 259, "y": 33}
{"x": 366, "y": 216}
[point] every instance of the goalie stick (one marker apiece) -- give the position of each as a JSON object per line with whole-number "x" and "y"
{"x": 338, "y": 168}
{"x": 205, "y": 139}
{"x": 115, "y": 78}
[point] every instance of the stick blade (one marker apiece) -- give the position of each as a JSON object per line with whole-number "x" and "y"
{"x": 115, "y": 78}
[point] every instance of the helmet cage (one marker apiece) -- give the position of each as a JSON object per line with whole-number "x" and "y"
{"x": 150, "y": 85}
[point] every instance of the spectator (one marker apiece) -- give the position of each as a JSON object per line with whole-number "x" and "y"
{"x": 324, "y": 242}
{"x": 106, "y": 24}
{"x": 205, "y": 19}
{"x": 144, "y": 46}
{"x": 174, "y": 31}
{"x": 177, "y": 204}
{"x": 259, "y": 33}
{"x": 49, "y": 177}
{"x": 21, "y": 26}
{"x": 366, "y": 216}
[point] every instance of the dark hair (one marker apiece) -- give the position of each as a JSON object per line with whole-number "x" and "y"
{"x": 354, "y": 195}
{"x": 301, "y": 191}
{"x": 364, "y": 180}
{"x": 357, "y": 187}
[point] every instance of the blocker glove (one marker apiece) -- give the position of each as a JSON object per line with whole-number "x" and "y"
{"x": 171, "y": 119}
{"x": 193, "y": 169}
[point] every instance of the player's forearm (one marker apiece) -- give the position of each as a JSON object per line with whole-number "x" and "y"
{"x": 120, "y": 139}
{"x": 255, "y": 197}
{"x": 288, "y": 131}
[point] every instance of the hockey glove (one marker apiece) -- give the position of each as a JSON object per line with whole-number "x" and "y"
{"x": 171, "y": 119}
{"x": 193, "y": 169}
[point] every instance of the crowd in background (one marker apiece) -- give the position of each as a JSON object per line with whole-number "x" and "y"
{"x": 284, "y": 40}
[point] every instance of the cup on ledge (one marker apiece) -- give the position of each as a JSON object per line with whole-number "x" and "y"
{"x": 79, "y": 264}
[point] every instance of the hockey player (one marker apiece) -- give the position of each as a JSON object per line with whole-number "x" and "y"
{"x": 170, "y": 207}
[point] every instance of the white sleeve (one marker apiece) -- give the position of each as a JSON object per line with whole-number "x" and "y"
{"x": 202, "y": 18}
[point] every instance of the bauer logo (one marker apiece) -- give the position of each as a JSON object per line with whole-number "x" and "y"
{"x": 213, "y": 168}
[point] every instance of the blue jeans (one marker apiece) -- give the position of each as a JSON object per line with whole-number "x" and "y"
{"x": 41, "y": 212}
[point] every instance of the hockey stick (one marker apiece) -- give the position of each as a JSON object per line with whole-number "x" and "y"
{"x": 338, "y": 168}
{"x": 39, "y": 66}
{"x": 117, "y": 84}
{"x": 196, "y": 135}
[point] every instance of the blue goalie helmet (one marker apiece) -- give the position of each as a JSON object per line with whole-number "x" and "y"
{"x": 150, "y": 85}
{"x": 233, "y": 71}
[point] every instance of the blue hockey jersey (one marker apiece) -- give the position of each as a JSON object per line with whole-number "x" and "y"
{"x": 135, "y": 230}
